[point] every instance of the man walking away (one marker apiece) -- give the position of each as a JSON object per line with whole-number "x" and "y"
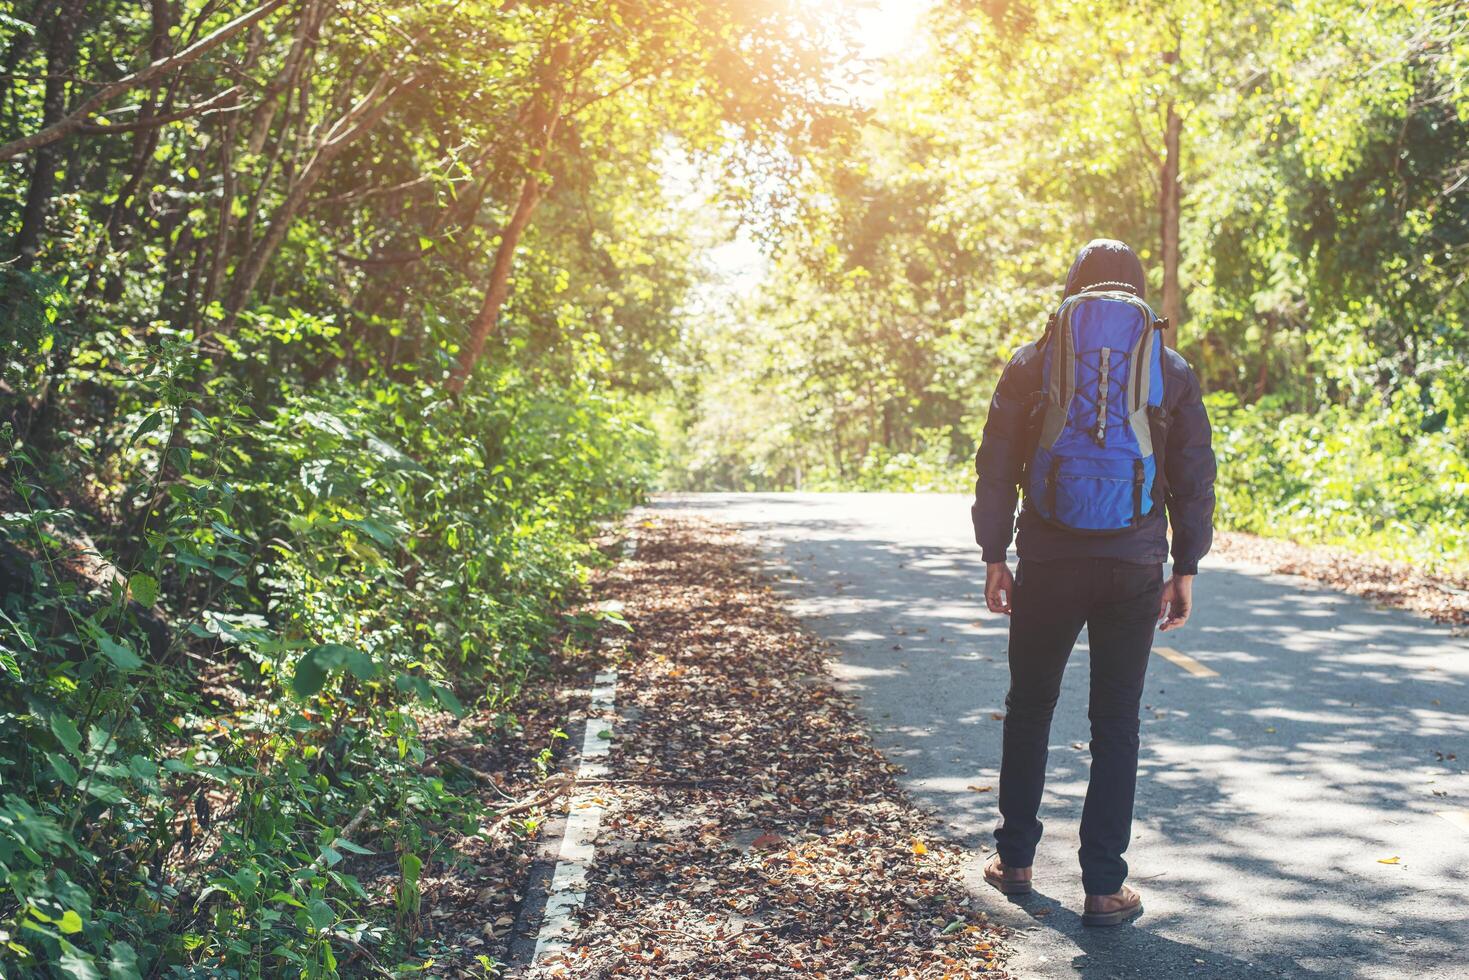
{"x": 1105, "y": 429}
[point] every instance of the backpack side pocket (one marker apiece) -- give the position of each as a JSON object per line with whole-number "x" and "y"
{"x": 1159, "y": 420}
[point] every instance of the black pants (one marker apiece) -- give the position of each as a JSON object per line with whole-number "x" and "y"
{"x": 1118, "y": 603}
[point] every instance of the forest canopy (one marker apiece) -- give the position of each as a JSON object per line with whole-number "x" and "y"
{"x": 335, "y": 332}
{"x": 1295, "y": 178}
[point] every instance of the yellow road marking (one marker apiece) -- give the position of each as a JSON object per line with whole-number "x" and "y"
{"x": 1186, "y": 662}
{"x": 1459, "y": 818}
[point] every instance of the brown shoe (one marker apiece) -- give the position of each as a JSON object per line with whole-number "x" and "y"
{"x": 1111, "y": 910}
{"x": 1010, "y": 881}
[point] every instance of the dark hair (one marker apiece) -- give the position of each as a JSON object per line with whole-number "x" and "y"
{"x": 1106, "y": 262}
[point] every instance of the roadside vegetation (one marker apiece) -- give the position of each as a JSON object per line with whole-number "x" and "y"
{"x": 326, "y": 326}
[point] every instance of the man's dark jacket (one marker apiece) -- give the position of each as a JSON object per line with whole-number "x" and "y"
{"x": 1188, "y": 458}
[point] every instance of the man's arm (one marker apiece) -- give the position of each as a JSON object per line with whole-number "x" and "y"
{"x": 1001, "y": 455}
{"x": 1189, "y": 463}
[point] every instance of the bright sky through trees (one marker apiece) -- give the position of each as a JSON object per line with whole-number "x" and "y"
{"x": 881, "y": 30}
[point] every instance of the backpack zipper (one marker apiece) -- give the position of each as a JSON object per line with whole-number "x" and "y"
{"x": 1145, "y": 352}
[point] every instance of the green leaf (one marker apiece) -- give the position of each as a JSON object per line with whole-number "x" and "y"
{"x": 376, "y": 530}
{"x": 312, "y": 669}
{"x": 63, "y": 768}
{"x": 144, "y": 589}
{"x": 309, "y": 676}
{"x": 360, "y": 665}
{"x": 24, "y": 27}
{"x": 411, "y": 866}
{"x": 75, "y": 964}
{"x": 66, "y": 733}
{"x": 321, "y": 913}
{"x": 146, "y": 426}
{"x": 69, "y": 922}
{"x": 124, "y": 962}
{"x": 26, "y": 639}
{"x": 413, "y": 684}
{"x": 446, "y": 697}
{"x": 121, "y": 654}
{"x": 106, "y": 792}
{"x": 326, "y": 422}
{"x": 288, "y": 898}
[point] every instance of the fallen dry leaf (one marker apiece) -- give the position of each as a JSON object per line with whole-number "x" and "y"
{"x": 754, "y": 825}
{"x": 1399, "y": 584}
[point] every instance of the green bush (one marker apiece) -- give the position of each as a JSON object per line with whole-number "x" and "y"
{"x": 932, "y": 468}
{"x": 284, "y": 596}
{"x": 1392, "y": 482}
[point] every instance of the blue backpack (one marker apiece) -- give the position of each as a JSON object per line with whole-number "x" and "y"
{"x": 1094, "y": 468}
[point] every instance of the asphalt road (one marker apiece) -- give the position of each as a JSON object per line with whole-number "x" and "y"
{"x": 1270, "y": 795}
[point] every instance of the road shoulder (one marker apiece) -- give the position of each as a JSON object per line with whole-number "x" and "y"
{"x": 751, "y": 827}
{"x": 1396, "y": 584}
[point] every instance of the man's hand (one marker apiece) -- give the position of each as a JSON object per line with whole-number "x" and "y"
{"x": 1177, "y": 602}
{"x": 999, "y": 587}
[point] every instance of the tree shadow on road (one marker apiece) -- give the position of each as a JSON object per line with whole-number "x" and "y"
{"x": 1268, "y": 795}
{"x": 1120, "y": 951}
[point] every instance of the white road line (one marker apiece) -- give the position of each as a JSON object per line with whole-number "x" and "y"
{"x": 1185, "y": 661}
{"x": 568, "y": 889}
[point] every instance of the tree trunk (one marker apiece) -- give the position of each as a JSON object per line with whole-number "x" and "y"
{"x": 144, "y": 145}
{"x": 77, "y": 118}
{"x": 498, "y": 291}
{"x": 20, "y": 46}
{"x": 359, "y": 120}
{"x": 1262, "y": 380}
{"x": 1169, "y": 208}
{"x": 307, "y": 25}
{"x": 543, "y": 121}
{"x": 60, "y": 53}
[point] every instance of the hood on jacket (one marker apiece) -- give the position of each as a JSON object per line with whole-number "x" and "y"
{"x": 1106, "y": 260}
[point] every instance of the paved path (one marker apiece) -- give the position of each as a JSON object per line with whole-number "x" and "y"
{"x": 1269, "y": 793}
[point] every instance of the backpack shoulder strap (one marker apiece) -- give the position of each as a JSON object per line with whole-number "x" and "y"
{"x": 1059, "y": 383}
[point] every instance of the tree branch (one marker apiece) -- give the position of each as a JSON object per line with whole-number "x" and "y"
{"x": 227, "y": 97}
{"x": 78, "y": 117}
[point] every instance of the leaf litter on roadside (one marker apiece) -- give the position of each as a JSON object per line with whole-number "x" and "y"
{"x": 753, "y": 829}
